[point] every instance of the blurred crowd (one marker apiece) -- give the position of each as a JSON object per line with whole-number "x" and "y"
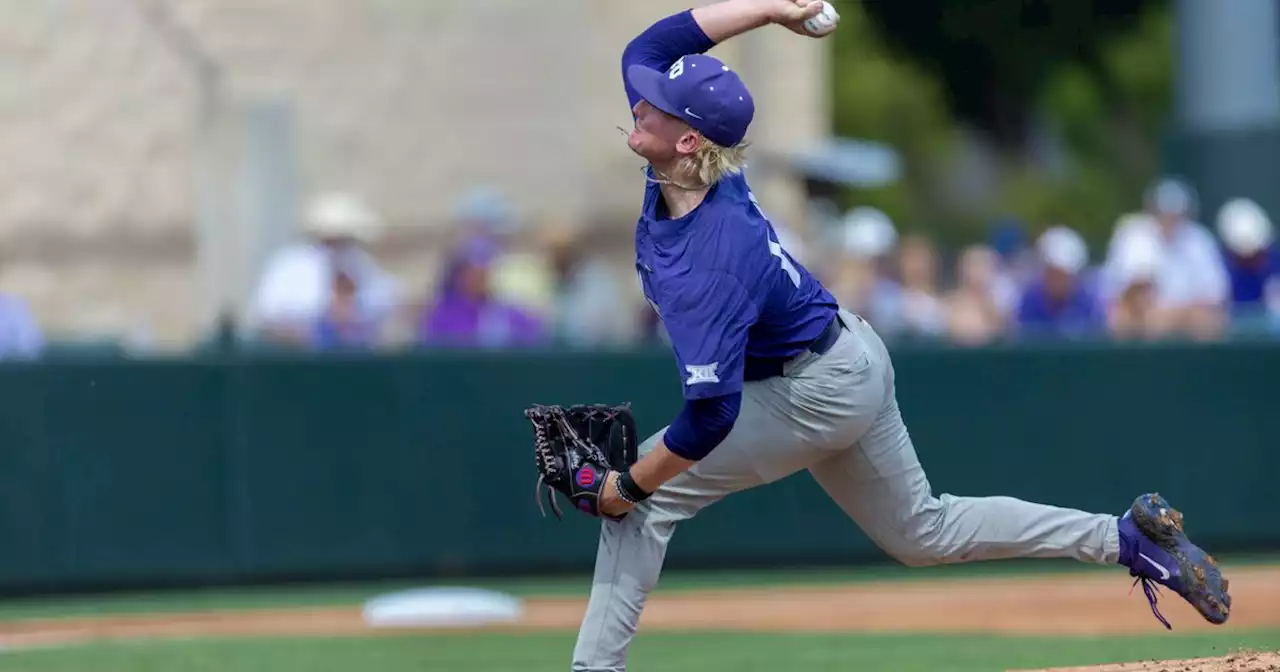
{"x": 502, "y": 283}
{"x": 1162, "y": 275}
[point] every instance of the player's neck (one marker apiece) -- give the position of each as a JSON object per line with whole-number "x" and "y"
{"x": 681, "y": 192}
{"x": 681, "y": 201}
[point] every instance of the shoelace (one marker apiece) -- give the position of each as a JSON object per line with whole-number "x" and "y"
{"x": 1151, "y": 589}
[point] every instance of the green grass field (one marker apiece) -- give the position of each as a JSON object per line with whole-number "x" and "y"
{"x": 657, "y": 652}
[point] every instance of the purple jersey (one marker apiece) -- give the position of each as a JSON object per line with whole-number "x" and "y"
{"x": 725, "y": 289}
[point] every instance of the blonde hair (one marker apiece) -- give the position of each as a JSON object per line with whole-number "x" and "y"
{"x": 712, "y": 163}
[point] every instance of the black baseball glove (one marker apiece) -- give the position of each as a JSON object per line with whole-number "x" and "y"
{"x": 575, "y": 447}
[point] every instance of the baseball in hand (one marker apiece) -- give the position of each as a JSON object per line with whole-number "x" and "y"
{"x": 823, "y": 23}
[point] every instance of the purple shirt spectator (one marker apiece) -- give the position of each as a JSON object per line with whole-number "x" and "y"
{"x": 1078, "y": 312}
{"x": 1251, "y": 256}
{"x": 457, "y": 320}
{"x": 1063, "y": 301}
{"x": 465, "y": 312}
{"x": 1250, "y": 277}
{"x": 20, "y": 336}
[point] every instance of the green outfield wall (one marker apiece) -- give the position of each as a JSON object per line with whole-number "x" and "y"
{"x": 250, "y": 468}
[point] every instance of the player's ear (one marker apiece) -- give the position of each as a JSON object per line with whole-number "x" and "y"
{"x": 689, "y": 142}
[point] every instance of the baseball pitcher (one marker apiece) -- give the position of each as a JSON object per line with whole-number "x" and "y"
{"x": 776, "y": 376}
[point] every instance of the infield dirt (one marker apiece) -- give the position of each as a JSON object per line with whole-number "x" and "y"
{"x": 1072, "y": 604}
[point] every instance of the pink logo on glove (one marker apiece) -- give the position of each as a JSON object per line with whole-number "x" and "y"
{"x": 586, "y": 477}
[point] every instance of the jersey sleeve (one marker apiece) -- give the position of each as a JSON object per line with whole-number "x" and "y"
{"x": 662, "y": 44}
{"x": 707, "y": 324}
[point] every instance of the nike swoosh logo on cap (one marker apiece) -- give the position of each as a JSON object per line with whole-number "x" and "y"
{"x": 690, "y": 113}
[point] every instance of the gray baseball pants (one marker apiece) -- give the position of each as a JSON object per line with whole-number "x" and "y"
{"x": 837, "y": 416}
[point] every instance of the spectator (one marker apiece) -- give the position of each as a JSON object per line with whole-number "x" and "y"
{"x": 483, "y": 212}
{"x": 1190, "y": 285}
{"x": 1060, "y": 303}
{"x": 519, "y": 273}
{"x": 1253, "y": 262}
{"x": 974, "y": 314}
{"x": 1131, "y": 312}
{"x": 296, "y": 293}
{"x": 467, "y": 314}
{"x": 589, "y": 308}
{"x": 20, "y": 335}
{"x": 1015, "y": 263}
{"x": 858, "y": 274}
{"x": 344, "y": 325}
{"x": 920, "y": 311}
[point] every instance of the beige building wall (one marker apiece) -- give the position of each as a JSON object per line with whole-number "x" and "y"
{"x": 409, "y": 103}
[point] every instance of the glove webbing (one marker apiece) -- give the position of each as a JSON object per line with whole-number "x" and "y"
{"x": 545, "y": 460}
{"x": 550, "y": 464}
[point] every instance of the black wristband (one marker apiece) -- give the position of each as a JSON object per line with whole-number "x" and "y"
{"x": 628, "y": 489}
{"x": 622, "y": 494}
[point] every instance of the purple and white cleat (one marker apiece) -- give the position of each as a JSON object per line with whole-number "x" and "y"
{"x": 1156, "y": 550}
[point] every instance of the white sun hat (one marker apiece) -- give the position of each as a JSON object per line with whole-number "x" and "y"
{"x": 341, "y": 215}
{"x": 1244, "y": 226}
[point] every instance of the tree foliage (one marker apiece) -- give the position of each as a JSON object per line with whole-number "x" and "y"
{"x": 1070, "y": 95}
{"x": 1109, "y": 115}
{"x": 996, "y": 55}
{"x": 879, "y": 95}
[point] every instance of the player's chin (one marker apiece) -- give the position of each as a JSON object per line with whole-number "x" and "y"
{"x": 636, "y": 141}
{"x": 639, "y": 149}
{"x": 647, "y": 147}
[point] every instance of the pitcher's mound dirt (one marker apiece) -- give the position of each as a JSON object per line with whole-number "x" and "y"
{"x": 1244, "y": 662}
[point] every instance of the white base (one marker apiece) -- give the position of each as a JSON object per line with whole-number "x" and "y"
{"x": 441, "y": 607}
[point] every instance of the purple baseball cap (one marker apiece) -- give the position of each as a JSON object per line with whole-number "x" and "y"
{"x": 702, "y": 91}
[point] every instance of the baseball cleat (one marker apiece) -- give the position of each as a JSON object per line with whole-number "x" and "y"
{"x": 1155, "y": 548}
